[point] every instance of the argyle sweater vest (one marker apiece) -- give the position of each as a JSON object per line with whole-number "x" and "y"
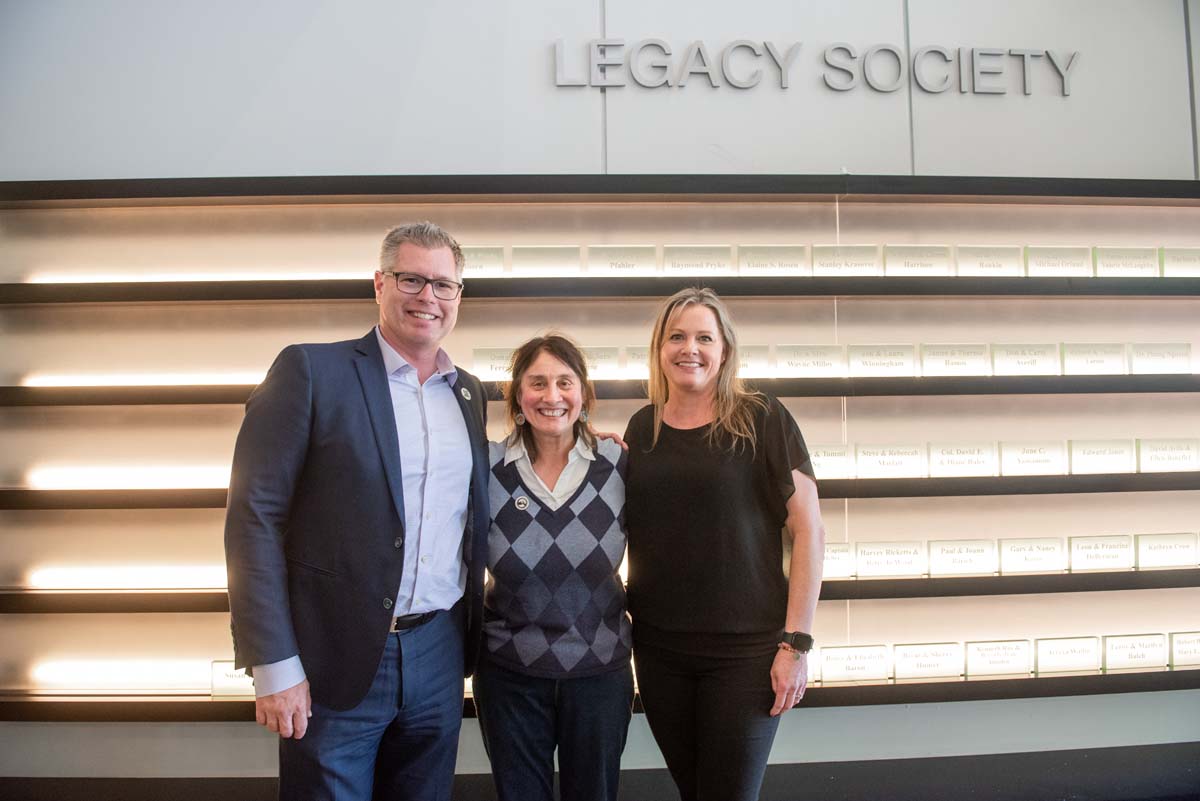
{"x": 554, "y": 606}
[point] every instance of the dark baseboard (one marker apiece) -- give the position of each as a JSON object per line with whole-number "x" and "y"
{"x": 1134, "y": 773}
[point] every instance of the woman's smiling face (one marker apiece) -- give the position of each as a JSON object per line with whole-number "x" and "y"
{"x": 551, "y": 396}
{"x": 692, "y": 351}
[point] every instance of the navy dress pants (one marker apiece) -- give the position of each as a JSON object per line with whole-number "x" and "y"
{"x": 401, "y": 742}
{"x": 524, "y": 718}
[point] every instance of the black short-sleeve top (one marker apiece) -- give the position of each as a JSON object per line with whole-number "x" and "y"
{"x": 705, "y": 525}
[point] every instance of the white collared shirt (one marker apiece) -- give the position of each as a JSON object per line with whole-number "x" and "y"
{"x": 435, "y": 460}
{"x": 578, "y": 462}
{"x": 435, "y": 463}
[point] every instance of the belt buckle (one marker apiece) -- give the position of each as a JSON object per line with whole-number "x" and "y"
{"x": 402, "y": 623}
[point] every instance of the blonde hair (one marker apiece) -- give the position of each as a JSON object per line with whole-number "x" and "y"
{"x": 733, "y": 404}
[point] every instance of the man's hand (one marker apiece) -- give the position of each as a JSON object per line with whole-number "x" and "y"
{"x": 789, "y": 677}
{"x": 286, "y": 712}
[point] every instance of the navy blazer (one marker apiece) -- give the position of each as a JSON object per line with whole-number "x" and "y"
{"x": 314, "y": 530}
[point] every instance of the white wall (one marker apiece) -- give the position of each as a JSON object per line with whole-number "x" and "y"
{"x": 140, "y": 89}
{"x": 1127, "y": 115}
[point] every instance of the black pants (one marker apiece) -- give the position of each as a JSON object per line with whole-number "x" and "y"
{"x": 524, "y": 718}
{"x": 710, "y": 716}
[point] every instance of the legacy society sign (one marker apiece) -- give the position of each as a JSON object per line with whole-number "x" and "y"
{"x": 842, "y": 67}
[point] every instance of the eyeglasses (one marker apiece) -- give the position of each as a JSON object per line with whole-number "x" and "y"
{"x": 413, "y": 284}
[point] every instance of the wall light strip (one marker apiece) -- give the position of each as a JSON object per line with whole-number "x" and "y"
{"x": 82, "y": 675}
{"x": 180, "y": 277}
{"x": 128, "y": 577}
{"x": 128, "y": 477}
{"x": 246, "y": 377}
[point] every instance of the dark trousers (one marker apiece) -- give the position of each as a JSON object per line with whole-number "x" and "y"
{"x": 401, "y": 741}
{"x": 710, "y": 716}
{"x": 523, "y": 718}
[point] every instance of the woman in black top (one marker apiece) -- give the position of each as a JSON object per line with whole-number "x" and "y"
{"x": 721, "y": 635}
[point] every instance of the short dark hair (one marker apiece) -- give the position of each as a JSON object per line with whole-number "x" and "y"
{"x": 567, "y": 352}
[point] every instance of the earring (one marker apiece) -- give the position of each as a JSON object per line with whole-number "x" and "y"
{"x": 519, "y": 419}
{"x": 583, "y": 416}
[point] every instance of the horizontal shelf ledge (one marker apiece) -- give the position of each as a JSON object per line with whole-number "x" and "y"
{"x": 125, "y": 395}
{"x": 20, "y": 498}
{"x": 119, "y": 601}
{"x": 11, "y": 498}
{"x": 943, "y": 587}
{"x": 1000, "y": 689}
{"x": 31, "y": 601}
{"x": 14, "y": 707}
{"x": 1007, "y": 485}
{"x": 594, "y": 287}
{"x": 134, "y": 709}
{"x": 620, "y": 188}
{"x": 635, "y": 389}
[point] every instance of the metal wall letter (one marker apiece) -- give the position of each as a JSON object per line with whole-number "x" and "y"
{"x": 981, "y": 70}
{"x": 933, "y": 88}
{"x": 727, "y": 68}
{"x": 842, "y": 66}
{"x": 560, "y": 77}
{"x": 1026, "y": 57}
{"x": 696, "y": 61}
{"x": 1064, "y": 72}
{"x": 604, "y": 62}
{"x": 663, "y": 64}
{"x": 783, "y": 63}
{"x": 869, "y": 77}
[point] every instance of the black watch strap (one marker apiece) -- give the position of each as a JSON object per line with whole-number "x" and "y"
{"x": 797, "y": 639}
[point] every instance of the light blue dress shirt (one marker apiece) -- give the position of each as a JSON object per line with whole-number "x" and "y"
{"x": 435, "y": 460}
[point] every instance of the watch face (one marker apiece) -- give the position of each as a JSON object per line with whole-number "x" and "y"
{"x": 798, "y": 640}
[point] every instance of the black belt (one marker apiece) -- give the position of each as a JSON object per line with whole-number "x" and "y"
{"x": 406, "y": 622}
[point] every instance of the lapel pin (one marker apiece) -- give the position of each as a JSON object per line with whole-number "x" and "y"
{"x": 466, "y": 393}
{"x": 522, "y": 503}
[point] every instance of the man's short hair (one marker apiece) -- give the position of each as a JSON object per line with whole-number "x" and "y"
{"x": 423, "y": 234}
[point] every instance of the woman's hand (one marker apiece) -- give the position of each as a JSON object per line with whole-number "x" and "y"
{"x": 614, "y": 436}
{"x": 789, "y": 677}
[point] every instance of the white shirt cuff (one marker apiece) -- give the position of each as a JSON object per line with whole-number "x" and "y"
{"x": 278, "y": 676}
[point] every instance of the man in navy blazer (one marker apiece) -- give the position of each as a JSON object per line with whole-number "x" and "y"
{"x": 356, "y": 538}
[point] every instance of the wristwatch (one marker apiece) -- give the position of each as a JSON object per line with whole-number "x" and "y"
{"x": 797, "y": 641}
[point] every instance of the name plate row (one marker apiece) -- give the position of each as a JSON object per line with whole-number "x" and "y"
{"x": 992, "y": 659}
{"x": 1036, "y": 261}
{"x": 1010, "y": 556}
{"x": 1025, "y": 458}
{"x": 896, "y": 360}
{"x": 941, "y": 660}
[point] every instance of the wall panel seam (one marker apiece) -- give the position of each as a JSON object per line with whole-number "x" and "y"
{"x": 1191, "y": 61}
{"x": 604, "y": 97}
{"x": 912, "y": 137}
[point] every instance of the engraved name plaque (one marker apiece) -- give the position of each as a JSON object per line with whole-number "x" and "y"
{"x": 855, "y": 663}
{"x": 1109, "y": 552}
{"x": 483, "y": 261}
{"x": 811, "y": 361}
{"x": 995, "y": 261}
{"x": 774, "y": 260}
{"x": 843, "y": 260}
{"x": 999, "y": 658}
{"x": 630, "y": 260}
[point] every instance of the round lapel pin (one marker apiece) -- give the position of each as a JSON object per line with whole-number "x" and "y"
{"x": 522, "y": 503}
{"x": 466, "y": 393}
